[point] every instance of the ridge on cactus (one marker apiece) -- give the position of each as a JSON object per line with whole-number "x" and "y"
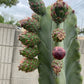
{"x": 58, "y": 35}
{"x": 30, "y": 25}
{"x": 59, "y": 11}
{"x": 57, "y": 66}
{"x": 29, "y": 39}
{"x": 29, "y": 65}
{"x": 58, "y": 53}
{"x": 29, "y": 52}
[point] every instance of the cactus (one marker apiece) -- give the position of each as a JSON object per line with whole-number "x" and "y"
{"x": 54, "y": 39}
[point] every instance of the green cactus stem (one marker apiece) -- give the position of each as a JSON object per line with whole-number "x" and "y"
{"x": 46, "y": 74}
{"x": 71, "y": 45}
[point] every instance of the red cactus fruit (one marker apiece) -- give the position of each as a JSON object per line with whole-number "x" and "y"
{"x": 58, "y": 53}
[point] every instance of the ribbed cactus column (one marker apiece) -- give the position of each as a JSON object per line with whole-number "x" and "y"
{"x": 45, "y": 57}
{"x": 71, "y": 45}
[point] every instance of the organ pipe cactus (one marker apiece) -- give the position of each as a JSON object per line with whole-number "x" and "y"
{"x": 54, "y": 39}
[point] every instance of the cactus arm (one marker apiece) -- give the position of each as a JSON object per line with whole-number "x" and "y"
{"x": 38, "y": 6}
{"x": 45, "y": 56}
{"x": 71, "y": 45}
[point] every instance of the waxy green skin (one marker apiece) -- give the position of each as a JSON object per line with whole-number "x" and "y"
{"x": 70, "y": 73}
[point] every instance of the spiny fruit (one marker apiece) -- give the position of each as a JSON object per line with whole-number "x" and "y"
{"x": 59, "y": 11}
{"x": 58, "y": 35}
{"x": 29, "y": 65}
{"x": 38, "y": 7}
{"x": 30, "y": 25}
{"x": 29, "y": 39}
{"x": 57, "y": 66}
{"x": 58, "y": 53}
{"x": 29, "y": 52}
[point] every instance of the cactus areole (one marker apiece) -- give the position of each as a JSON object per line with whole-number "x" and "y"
{"x": 58, "y": 53}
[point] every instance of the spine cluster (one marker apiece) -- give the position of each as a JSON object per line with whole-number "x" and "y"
{"x": 30, "y": 40}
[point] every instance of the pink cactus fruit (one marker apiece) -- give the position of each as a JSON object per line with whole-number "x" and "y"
{"x": 58, "y": 53}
